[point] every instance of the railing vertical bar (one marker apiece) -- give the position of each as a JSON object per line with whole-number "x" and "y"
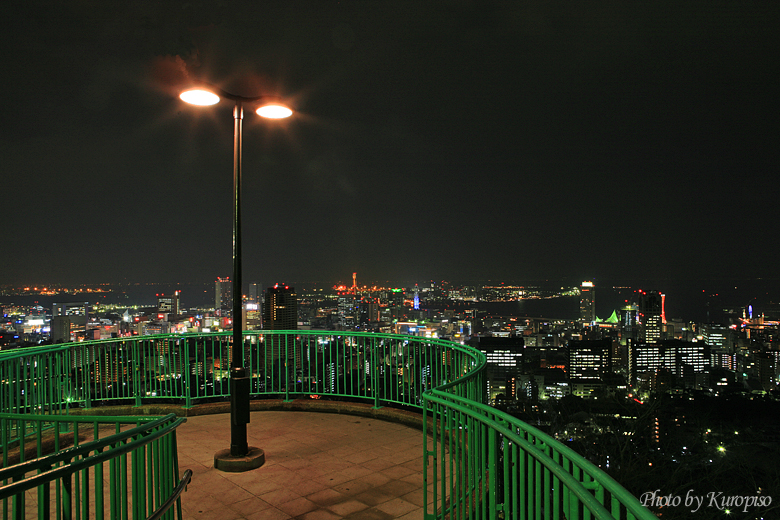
{"x": 615, "y": 506}
{"x": 458, "y": 439}
{"x": 484, "y": 470}
{"x": 546, "y": 497}
{"x": 425, "y": 457}
{"x": 134, "y": 483}
{"x": 18, "y": 508}
{"x": 435, "y": 438}
{"x": 174, "y": 441}
{"x": 44, "y": 497}
{"x": 113, "y": 488}
{"x": 472, "y": 461}
{"x": 492, "y": 473}
{"x": 149, "y": 480}
{"x": 531, "y": 480}
{"x": 4, "y": 433}
{"x": 599, "y": 493}
{"x": 67, "y": 497}
{"x": 574, "y": 503}
{"x": 443, "y": 457}
{"x": 556, "y": 484}
{"x": 317, "y": 375}
{"x": 57, "y": 483}
{"x": 99, "y": 490}
{"x": 516, "y": 489}
{"x": 123, "y": 501}
{"x": 78, "y": 476}
{"x": 343, "y": 385}
{"x": 375, "y": 371}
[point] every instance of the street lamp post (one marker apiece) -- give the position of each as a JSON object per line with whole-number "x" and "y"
{"x": 240, "y": 457}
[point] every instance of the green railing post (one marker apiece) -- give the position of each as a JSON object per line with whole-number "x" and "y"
{"x": 375, "y": 375}
{"x": 426, "y": 454}
{"x": 187, "y": 376}
{"x": 286, "y": 370}
{"x": 137, "y": 383}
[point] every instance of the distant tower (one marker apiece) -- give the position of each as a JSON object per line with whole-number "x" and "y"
{"x": 587, "y": 303}
{"x": 416, "y": 297}
{"x": 223, "y": 296}
{"x": 354, "y": 283}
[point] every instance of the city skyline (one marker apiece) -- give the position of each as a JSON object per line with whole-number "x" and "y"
{"x": 695, "y": 300}
{"x": 455, "y": 141}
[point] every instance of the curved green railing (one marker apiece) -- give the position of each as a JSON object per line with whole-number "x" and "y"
{"x": 90, "y": 467}
{"x": 481, "y": 462}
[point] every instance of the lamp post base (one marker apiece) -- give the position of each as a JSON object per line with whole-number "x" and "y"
{"x": 224, "y": 461}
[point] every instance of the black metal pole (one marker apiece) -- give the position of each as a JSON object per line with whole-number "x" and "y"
{"x": 239, "y": 382}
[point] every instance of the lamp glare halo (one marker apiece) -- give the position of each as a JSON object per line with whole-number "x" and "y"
{"x": 274, "y": 111}
{"x": 199, "y": 97}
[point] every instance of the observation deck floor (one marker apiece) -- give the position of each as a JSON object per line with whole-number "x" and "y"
{"x": 318, "y": 466}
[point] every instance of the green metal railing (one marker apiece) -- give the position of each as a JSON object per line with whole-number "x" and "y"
{"x": 483, "y": 463}
{"x": 380, "y": 368}
{"x": 487, "y": 464}
{"x": 75, "y": 463}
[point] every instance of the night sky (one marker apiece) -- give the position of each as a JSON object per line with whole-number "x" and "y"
{"x": 432, "y": 140}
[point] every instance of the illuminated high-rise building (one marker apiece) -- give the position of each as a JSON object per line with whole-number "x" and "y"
{"x": 251, "y": 316}
{"x": 722, "y": 354}
{"x": 347, "y": 311}
{"x": 254, "y": 292}
{"x": 77, "y": 314}
{"x": 587, "y": 303}
{"x": 715, "y": 335}
{"x": 681, "y": 359}
{"x": 281, "y": 308}
{"x": 368, "y": 311}
{"x": 168, "y": 304}
{"x": 60, "y": 329}
{"x": 589, "y": 359}
{"x": 280, "y": 312}
{"x": 651, "y": 317}
{"x": 223, "y": 296}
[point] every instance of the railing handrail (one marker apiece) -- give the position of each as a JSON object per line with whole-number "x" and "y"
{"x": 54, "y": 418}
{"x": 178, "y": 490}
{"x": 86, "y": 462}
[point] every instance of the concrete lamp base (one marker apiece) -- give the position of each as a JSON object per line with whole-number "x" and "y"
{"x": 224, "y": 461}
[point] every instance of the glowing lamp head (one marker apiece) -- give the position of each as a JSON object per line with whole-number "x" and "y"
{"x": 274, "y": 111}
{"x": 200, "y": 97}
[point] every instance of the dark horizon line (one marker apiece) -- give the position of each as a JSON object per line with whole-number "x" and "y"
{"x": 533, "y": 280}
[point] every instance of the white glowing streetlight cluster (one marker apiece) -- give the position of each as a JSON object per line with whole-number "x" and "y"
{"x": 199, "y": 97}
{"x": 203, "y": 97}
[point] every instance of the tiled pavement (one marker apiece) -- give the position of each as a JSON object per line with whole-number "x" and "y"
{"x": 318, "y": 466}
